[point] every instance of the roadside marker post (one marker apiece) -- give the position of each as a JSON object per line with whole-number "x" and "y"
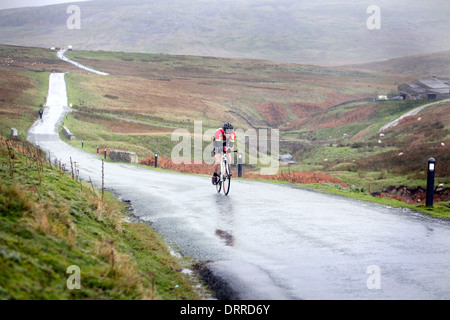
{"x": 156, "y": 159}
{"x": 240, "y": 165}
{"x": 430, "y": 181}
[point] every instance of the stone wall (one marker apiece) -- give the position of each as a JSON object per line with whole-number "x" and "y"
{"x": 67, "y": 133}
{"x": 123, "y": 156}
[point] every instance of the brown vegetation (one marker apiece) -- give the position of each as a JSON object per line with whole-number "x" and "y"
{"x": 120, "y": 125}
{"x": 12, "y": 86}
{"x": 166, "y": 163}
{"x": 272, "y": 112}
{"x": 415, "y": 195}
{"x": 204, "y": 168}
{"x": 300, "y": 177}
{"x": 28, "y": 59}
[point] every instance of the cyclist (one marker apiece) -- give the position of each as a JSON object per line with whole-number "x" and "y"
{"x": 41, "y": 111}
{"x": 223, "y": 142}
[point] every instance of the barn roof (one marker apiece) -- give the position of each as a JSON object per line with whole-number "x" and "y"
{"x": 434, "y": 84}
{"x": 412, "y": 88}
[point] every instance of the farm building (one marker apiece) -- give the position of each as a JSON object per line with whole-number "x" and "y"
{"x": 424, "y": 89}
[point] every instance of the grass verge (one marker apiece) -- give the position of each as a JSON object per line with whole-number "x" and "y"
{"x": 440, "y": 210}
{"x": 49, "y": 222}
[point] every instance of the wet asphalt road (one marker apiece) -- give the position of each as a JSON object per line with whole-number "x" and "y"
{"x": 270, "y": 241}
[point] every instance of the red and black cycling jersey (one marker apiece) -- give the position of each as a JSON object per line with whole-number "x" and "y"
{"x": 222, "y": 143}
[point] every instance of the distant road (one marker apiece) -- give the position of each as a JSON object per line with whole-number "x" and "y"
{"x": 410, "y": 113}
{"x": 61, "y": 55}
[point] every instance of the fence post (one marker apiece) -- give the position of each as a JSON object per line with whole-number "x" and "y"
{"x": 103, "y": 179}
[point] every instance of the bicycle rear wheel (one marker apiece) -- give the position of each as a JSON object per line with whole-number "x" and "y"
{"x": 219, "y": 184}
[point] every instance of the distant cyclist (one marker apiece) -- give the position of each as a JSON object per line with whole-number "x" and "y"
{"x": 223, "y": 142}
{"x": 41, "y": 111}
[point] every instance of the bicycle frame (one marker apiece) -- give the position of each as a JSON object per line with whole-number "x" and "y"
{"x": 224, "y": 176}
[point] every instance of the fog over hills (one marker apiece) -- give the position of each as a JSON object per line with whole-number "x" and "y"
{"x": 301, "y": 31}
{"x": 10, "y": 4}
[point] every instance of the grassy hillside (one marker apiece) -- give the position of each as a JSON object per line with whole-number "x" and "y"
{"x": 161, "y": 92}
{"x": 50, "y": 221}
{"x": 313, "y": 32}
{"x": 397, "y": 157}
{"x": 421, "y": 66}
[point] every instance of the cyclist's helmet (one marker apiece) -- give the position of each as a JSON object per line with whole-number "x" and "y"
{"x": 227, "y": 127}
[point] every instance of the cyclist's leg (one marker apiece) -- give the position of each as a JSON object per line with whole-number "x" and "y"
{"x": 216, "y": 168}
{"x": 217, "y": 156}
{"x": 229, "y": 163}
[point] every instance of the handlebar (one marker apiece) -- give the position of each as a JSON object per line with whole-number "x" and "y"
{"x": 224, "y": 153}
{"x": 217, "y": 149}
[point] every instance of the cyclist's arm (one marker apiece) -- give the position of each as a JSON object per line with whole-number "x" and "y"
{"x": 218, "y": 143}
{"x": 230, "y": 143}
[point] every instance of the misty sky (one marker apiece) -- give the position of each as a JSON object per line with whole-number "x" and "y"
{"x": 8, "y": 4}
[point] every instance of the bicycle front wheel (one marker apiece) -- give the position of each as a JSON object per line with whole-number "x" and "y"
{"x": 226, "y": 180}
{"x": 226, "y": 185}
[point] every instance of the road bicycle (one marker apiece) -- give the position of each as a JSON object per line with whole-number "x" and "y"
{"x": 224, "y": 178}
